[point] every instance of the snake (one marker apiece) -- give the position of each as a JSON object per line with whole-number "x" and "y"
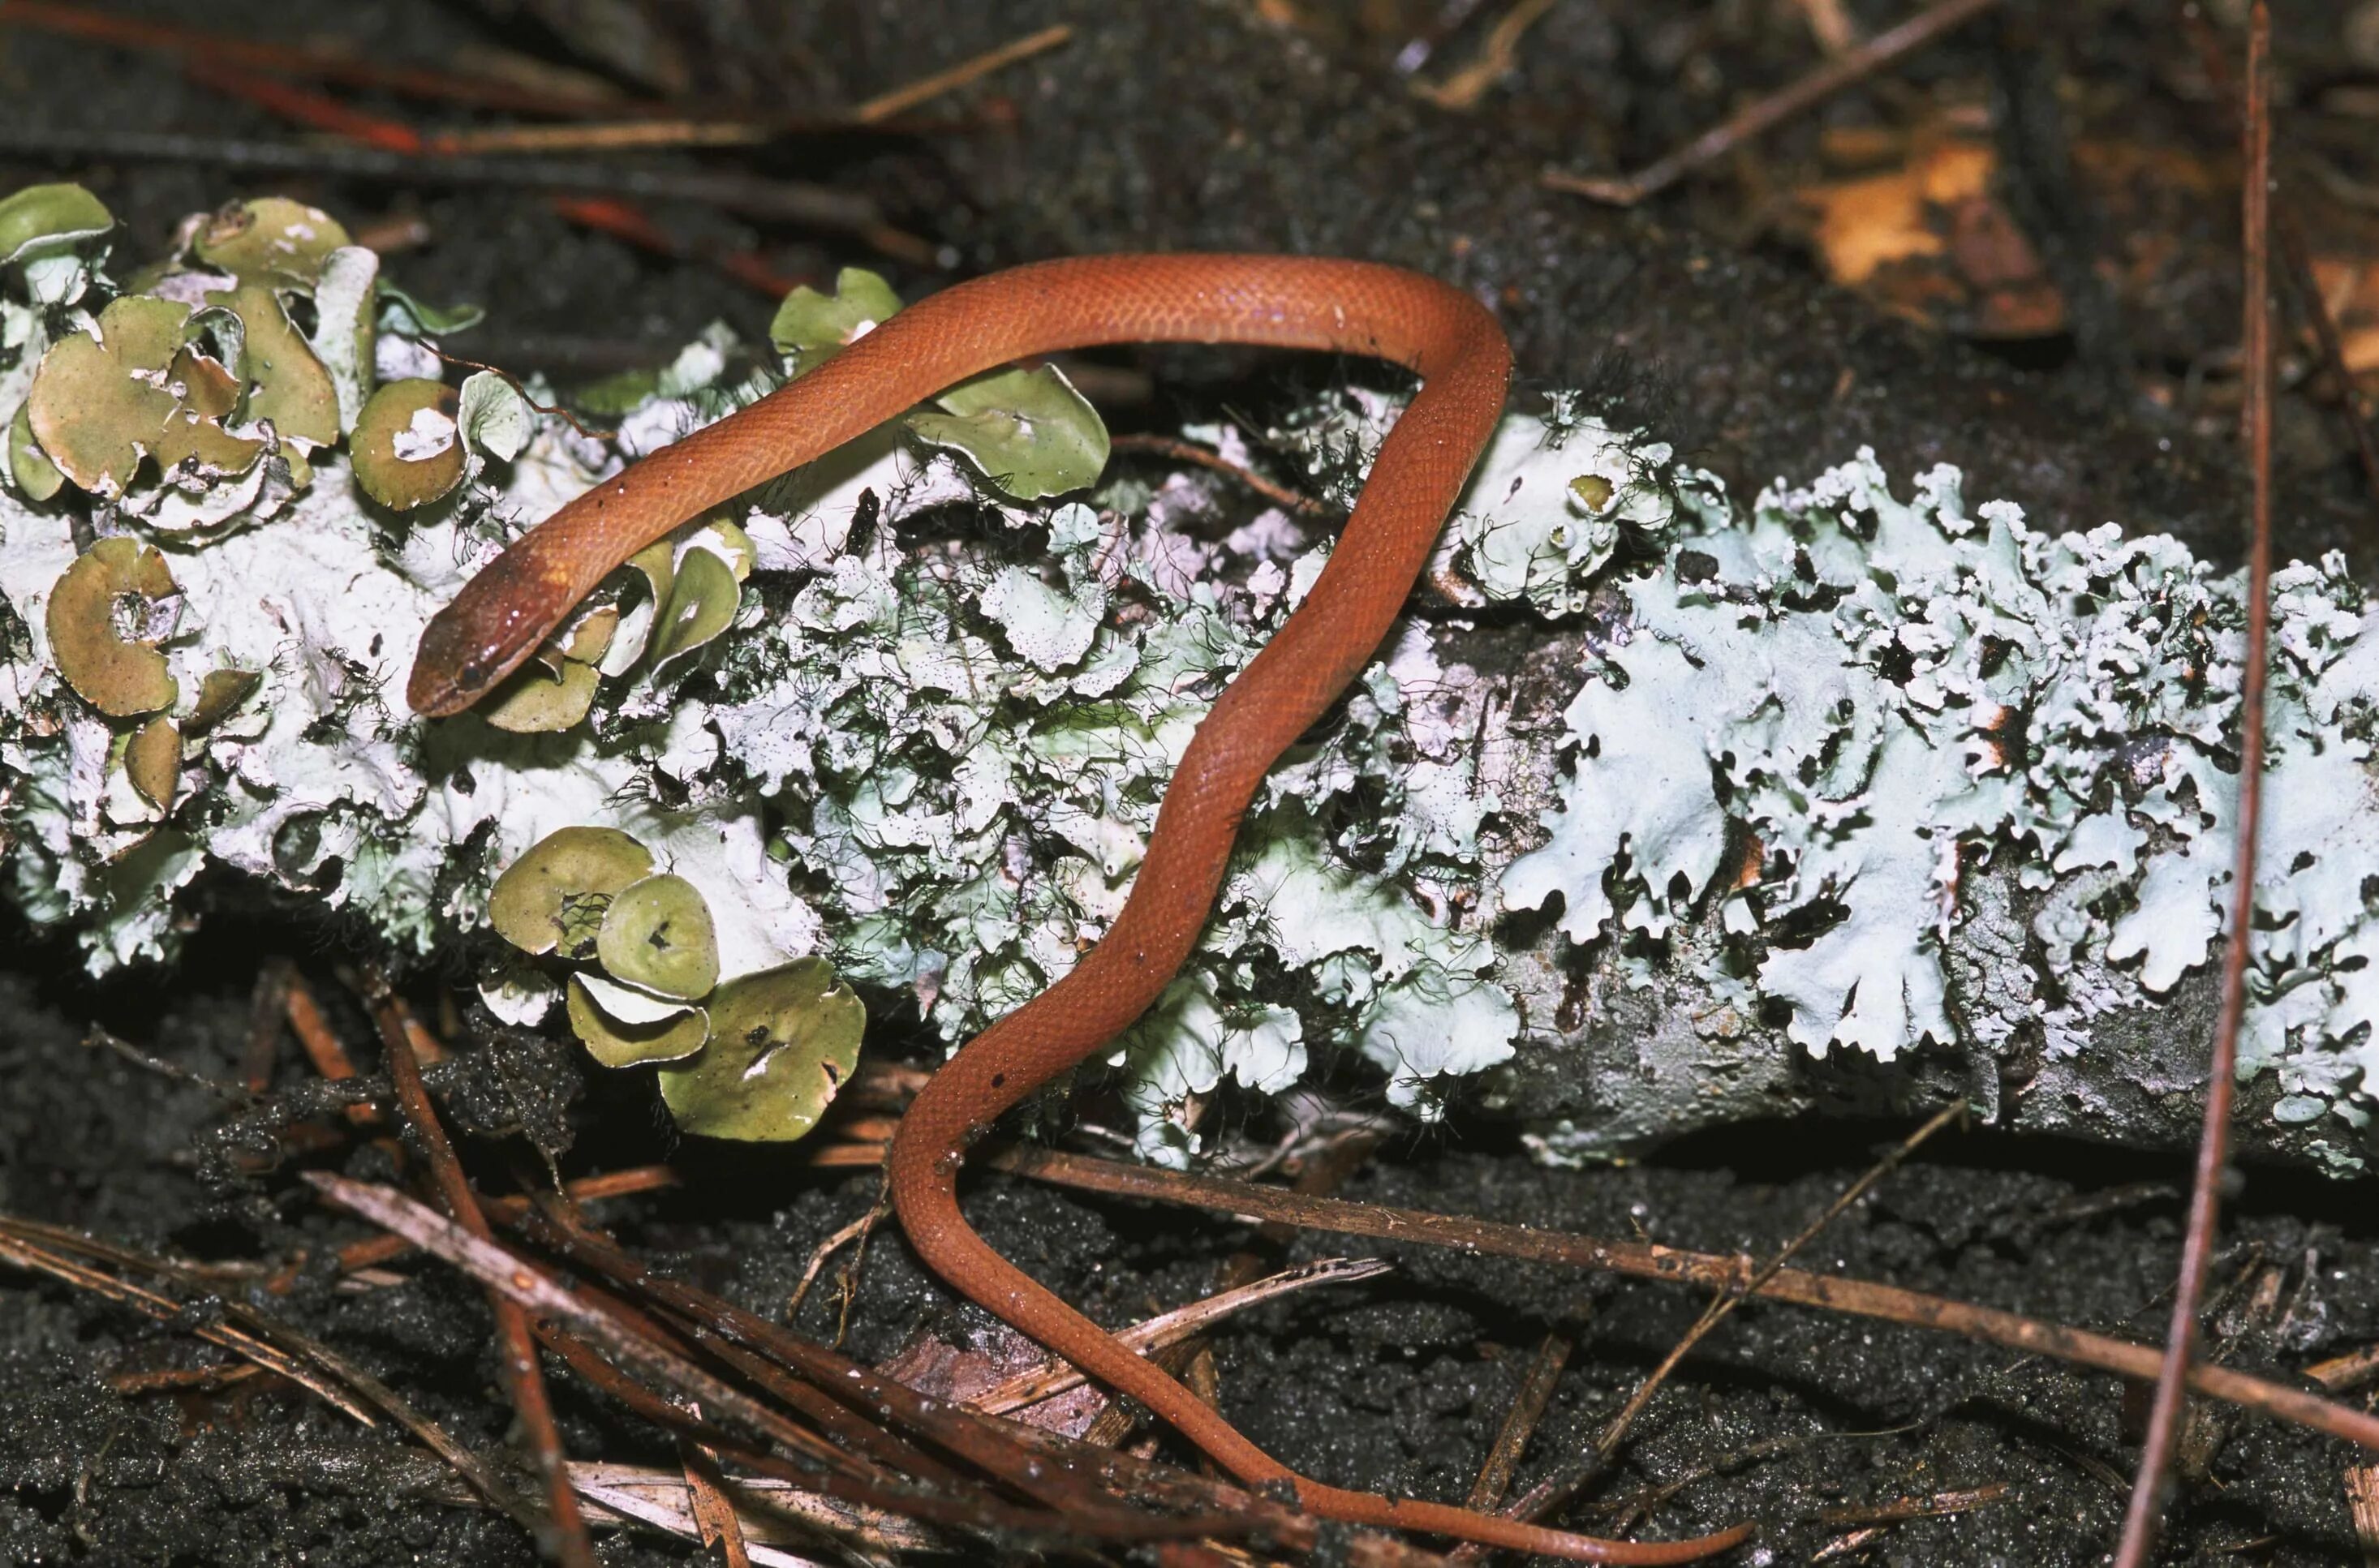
{"x": 1441, "y": 333}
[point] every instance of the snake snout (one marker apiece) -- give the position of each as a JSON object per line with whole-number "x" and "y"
{"x": 452, "y": 669}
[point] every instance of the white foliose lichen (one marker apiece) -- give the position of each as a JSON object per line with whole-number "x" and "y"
{"x": 925, "y": 748}
{"x": 1832, "y": 718}
{"x": 968, "y": 754}
{"x": 887, "y": 716}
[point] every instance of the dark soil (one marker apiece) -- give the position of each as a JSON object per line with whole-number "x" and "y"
{"x": 1197, "y": 126}
{"x": 1398, "y": 1384}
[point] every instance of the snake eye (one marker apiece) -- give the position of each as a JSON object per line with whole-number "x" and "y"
{"x": 472, "y": 676}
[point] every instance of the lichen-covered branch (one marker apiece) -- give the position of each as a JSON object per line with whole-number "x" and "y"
{"x": 1661, "y": 815}
{"x": 1872, "y": 799}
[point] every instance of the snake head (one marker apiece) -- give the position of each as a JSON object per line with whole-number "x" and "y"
{"x": 473, "y": 643}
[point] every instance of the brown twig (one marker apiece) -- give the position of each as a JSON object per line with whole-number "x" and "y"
{"x": 628, "y": 220}
{"x": 159, "y": 1379}
{"x": 812, "y": 1378}
{"x": 428, "y": 1049}
{"x": 1192, "y": 1360}
{"x": 565, "y": 1536}
{"x": 1870, "y": 1520}
{"x": 900, "y": 100}
{"x": 1179, "y": 451}
{"x": 885, "y": 1452}
{"x": 1718, "y": 1309}
{"x": 99, "y": 1039}
{"x": 855, "y": 1233}
{"x": 24, "y": 1252}
{"x": 1555, "y": 1490}
{"x": 1757, "y": 119}
{"x": 1462, "y": 89}
{"x": 200, "y": 50}
{"x": 1830, "y": 23}
{"x": 321, "y": 65}
{"x": 266, "y": 1006}
{"x": 604, "y": 438}
{"x": 822, "y": 1470}
{"x": 536, "y": 1289}
{"x": 2146, "y": 1506}
{"x": 315, "y": 111}
{"x": 373, "y": 1251}
{"x": 1158, "y": 1485}
{"x": 882, "y": 1087}
{"x": 714, "y": 1512}
{"x": 601, "y": 136}
{"x": 621, "y": 219}
{"x": 2362, "y": 1507}
{"x": 1536, "y": 1390}
{"x": 2297, "y": 255}
{"x": 1932, "y": 1505}
{"x": 320, "y": 1041}
{"x": 684, "y": 1417}
{"x": 661, "y": 1352}
{"x": 2352, "y": 1370}
{"x": 1643, "y": 1260}
{"x": 1052, "y": 1377}
{"x": 657, "y": 1498}
{"x": 847, "y": 1156}
{"x": 790, "y": 201}
{"x": 1052, "y": 1466}
{"x": 293, "y": 1354}
{"x": 1621, "y": 1514}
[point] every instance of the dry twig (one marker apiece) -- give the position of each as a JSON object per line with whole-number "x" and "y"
{"x": 1053, "y": 1377}
{"x": 564, "y": 1536}
{"x": 1180, "y": 450}
{"x": 824, "y": 208}
{"x": 1555, "y": 1490}
{"x": 2297, "y": 255}
{"x": 887, "y": 106}
{"x": 321, "y": 65}
{"x": 2338, "y": 1373}
{"x": 1645, "y": 1260}
{"x": 1718, "y": 1309}
{"x": 2146, "y": 1505}
{"x": 294, "y": 1355}
{"x": 650, "y": 1356}
{"x": 1462, "y": 90}
{"x": 1757, "y": 119}
{"x": 2362, "y": 1505}
{"x": 320, "y": 1042}
{"x": 1871, "y": 1518}
{"x": 602, "y": 136}
{"x": 777, "y": 1513}
{"x": 853, "y": 1234}
{"x": 24, "y": 1251}
{"x": 265, "y": 1007}
{"x": 1044, "y": 1464}
{"x": 373, "y": 1251}
{"x": 1536, "y": 1390}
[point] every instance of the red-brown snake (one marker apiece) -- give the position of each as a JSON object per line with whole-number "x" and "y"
{"x": 1446, "y": 337}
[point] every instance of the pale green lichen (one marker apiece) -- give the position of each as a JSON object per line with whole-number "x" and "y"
{"x": 53, "y": 236}
{"x": 1552, "y": 501}
{"x": 1027, "y": 432}
{"x": 1879, "y": 698}
{"x": 1871, "y": 760}
{"x": 936, "y": 766}
{"x": 973, "y": 754}
{"x": 781, "y": 1043}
